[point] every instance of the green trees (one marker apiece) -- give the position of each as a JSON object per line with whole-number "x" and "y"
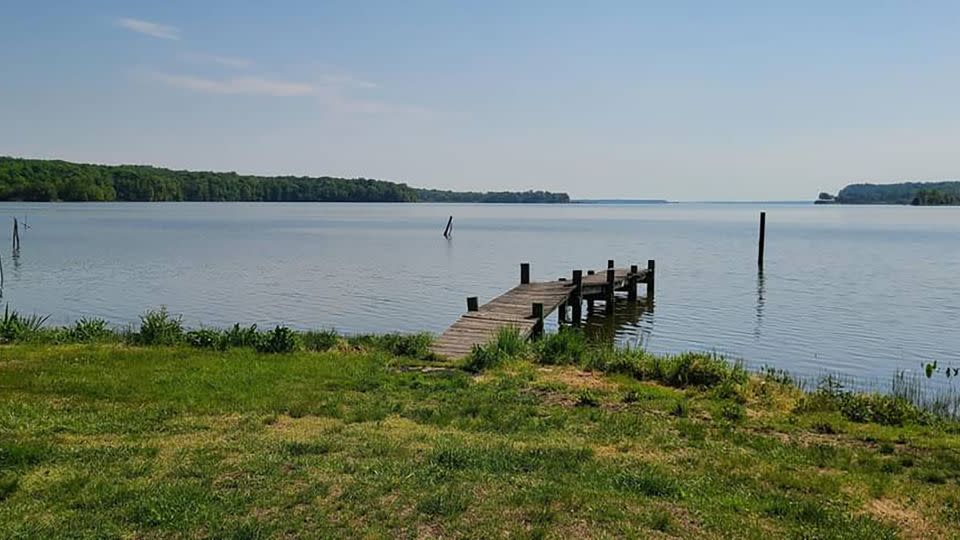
{"x": 915, "y": 193}
{"x": 51, "y": 180}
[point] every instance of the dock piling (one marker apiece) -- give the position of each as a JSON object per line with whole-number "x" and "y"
{"x": 576, "y": 298}
{"x": 538, "y": 315}
{"x": 609, "y": 263}
{"x": 473, "y": 303}
{"x": 651, "y": 274}
{"x": 632, "y": 291}
{"x": 763, "y": 232}
{"x": 524, "y": 273}
{"x": 609, "y": 289}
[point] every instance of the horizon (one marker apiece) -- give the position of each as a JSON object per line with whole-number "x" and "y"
{"x": 691, "y": 103}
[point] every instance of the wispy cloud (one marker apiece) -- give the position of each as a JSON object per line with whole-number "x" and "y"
{"x": 149, "y": 28}
{"x": 225, "y": 61}
{"x": 333, "y": 92}
{"x": 254, "y": 86}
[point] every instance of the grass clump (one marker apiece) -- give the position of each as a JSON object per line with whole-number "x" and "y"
{"x": 89, "y": 331}
{"x": 16, "y": 327}
{"x": 565, "y": 347}
{"x": 206, "y": 338}
{"x": 320, "y": 340}
{"x": 509, "y": 344}
{"x": 887, "y": 410}
{"x": 281, "y": 340}
{"x": 158, "y": 327}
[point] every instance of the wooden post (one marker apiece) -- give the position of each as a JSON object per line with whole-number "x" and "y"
{"x": 632, "y": 291}
{"x": 16, "y": 235}
{"x": 763, "y": 232}
{"x": 577, "y": 297}
{"x": 651, "y": 273}
{"x": 473, "y": 304}
{"x": 590, "y": 272}
{"x": 538, "y": 315}
{"x": 449, "y": 228}
{"x": 524, "y": 273}
{"x": 562, "y": 313}
{"x": 609, "y": 263}
{"x": 609, "y": 289}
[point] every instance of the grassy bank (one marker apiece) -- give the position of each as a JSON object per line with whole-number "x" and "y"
{"x": 372, "y": 438}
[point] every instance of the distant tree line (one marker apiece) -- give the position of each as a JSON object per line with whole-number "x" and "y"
{"x": 54, "y": 180}
{"x": 915, "y": 193}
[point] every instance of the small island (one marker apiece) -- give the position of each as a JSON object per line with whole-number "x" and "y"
{"x": 907, "y": 193}
{"x": 54, "y": 180}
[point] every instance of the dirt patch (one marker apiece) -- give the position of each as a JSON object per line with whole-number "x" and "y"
{"x": 575, "y": 378}
{"x": 911, "y": 524}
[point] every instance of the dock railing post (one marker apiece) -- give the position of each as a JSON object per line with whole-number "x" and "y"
{"x": 577, "y": 296}
{"x": 524, "y": 273}
{"x": 473, "y": 303}
{"x": 538, "y": 324}
{"x": 610, "y": 263}
{"x": 651, "y": 274}
{"x": 763, "y": 233}
{"x": 611, "y": 275}
{"x": 632, "y": 291}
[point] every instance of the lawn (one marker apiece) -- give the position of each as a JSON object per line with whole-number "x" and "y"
{"x": 114, "y": 440}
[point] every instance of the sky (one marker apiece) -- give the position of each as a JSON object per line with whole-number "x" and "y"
{"x": 678, "y": 100}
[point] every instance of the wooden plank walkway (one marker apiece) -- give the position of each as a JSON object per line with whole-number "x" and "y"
{"x": 515, "y": 307}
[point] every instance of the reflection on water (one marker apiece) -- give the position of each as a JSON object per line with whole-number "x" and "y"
{"x": 631, "y": 322}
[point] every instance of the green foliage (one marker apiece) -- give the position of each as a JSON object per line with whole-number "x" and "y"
{"x": 508, "y": 344}
{"x": 241, "y": 336}
{"x": 206, "y": 338}
{"x": 16, "y": 327}
{"x": 567, "y": 346}
{"x": 51, "y": 180}
{"x": 89, "y": 331}
{"x": 920, "y": 193}
{"x": 648, "y": 480}
{"x": 320, "y": 340}
{"x": 281, "y": 340}
{"x": 858, "y": 407}
{"x": 158, "y": 327}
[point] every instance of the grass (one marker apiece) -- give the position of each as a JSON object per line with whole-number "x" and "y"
{"x": 357, "y": 437}
{"x": 250, "y": 434}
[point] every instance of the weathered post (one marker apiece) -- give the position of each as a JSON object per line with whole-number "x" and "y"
{"x": 16, "y": 235}
{"x": 590, "y": 272}
{"x": 473, "y": 304}
{"x": 632, "y": 291}
{"x": 611, "y": 274}
{"x": 448, "y": 230}
{"x": 538, "y": 324}
{"x": 524, "y": 273}
{"x": 577, "y": 296}
{"x": 562, "y": 313}
{"x": 651, "y": 273}
{"x": 763, "y": 232}
{"x": 609, "y": 263}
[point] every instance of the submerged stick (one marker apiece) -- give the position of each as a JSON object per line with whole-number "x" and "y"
{"x": 448, "y": 230}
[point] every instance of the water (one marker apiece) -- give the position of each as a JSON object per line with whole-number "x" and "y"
{"x": 859, "y": 291}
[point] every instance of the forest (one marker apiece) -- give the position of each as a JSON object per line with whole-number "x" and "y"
{"x": 915, "y": 193}
{"x": 55, "y": 180}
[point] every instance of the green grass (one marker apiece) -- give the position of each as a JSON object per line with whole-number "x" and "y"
{"x": 359, "y": 437}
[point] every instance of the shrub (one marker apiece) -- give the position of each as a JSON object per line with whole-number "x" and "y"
{"x": 207, "y": 339}
{"x": 483, "y": 357}
{"x": 281, "y": 340}
{"x": 882, "y": 409}
{"x": 16, "y": 327}
{"x": 320, "y": 340}
{"x": 88, "y": 331}
{"x": 241, "y": 336}
{"x": 160, "y": 328}
{"x": 698, "y": 369}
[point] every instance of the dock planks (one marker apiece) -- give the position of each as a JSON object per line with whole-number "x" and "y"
{"x": 515, "y": 308}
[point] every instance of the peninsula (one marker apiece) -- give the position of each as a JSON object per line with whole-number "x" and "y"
{"x": 913, "y": 193}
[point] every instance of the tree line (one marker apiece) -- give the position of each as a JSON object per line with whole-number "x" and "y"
{"x": 915, "y": 193}
{"x": 55, "y": 180}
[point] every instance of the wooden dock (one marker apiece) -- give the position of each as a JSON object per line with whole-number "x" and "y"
{"x": 525, "y": 306}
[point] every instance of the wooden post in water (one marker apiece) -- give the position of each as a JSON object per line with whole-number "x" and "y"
{"x": 538, "y": 315}
{"x": 562, "y": 313}
{"x": 577, "y": 296}
{"x": 763, "y": 233}
{"x": 651, "y": 273}
{"x": 473, "y": 303}
{"x": 524, "y": 273}
{"x": 16, "y": 235}
{"x": 448, "y": 230}
{"x": 609, "y": 263}
{"x": 611, "y": 274}
{"x": 632, "y": 291}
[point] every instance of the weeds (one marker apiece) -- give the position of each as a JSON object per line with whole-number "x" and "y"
{"x": 281, "y": 340}
{"x": 158, "y": 327}
{"x": 89, "y": 331}
{"x": 509, "y": 343}
{"x": 16, "y": 327}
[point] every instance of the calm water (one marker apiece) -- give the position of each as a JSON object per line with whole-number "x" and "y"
{"x": 861, "y": 291}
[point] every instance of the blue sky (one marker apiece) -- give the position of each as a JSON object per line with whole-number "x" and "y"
{"x": 679, "y": 100}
